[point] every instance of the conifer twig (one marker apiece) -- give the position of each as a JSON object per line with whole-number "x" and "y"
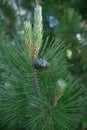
{"x": 36, "y": 84}
{"x": 37, "y": 41}
{"x": 59, "y": 91}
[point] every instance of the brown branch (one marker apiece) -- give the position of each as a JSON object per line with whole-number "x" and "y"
{"x": 54, "y": 102}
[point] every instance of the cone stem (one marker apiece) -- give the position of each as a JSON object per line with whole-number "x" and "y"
{"x": 36, "y": 84}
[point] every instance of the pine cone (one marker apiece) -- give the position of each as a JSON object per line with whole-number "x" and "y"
{"x": 40, "y": 64}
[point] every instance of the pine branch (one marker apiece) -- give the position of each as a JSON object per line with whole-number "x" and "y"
{"x": 36, "y": 84}
{"x": 33, "y": 50}
{"x": 38, "y": 27}
{"x": 59, "y": 92}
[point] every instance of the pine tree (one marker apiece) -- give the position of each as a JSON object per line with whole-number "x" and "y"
{"x": 37, "y": 92}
